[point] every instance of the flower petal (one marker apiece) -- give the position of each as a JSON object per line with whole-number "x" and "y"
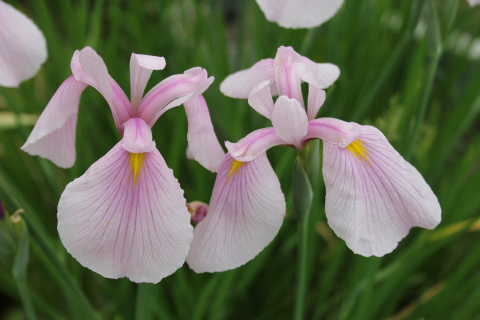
{"x": 137, "y": 136}
{"x": 373, "y": 195}
{"x": 321, "y": 75}
{"x": 299, "y": 13}
{"x": 53, "y": 136}
{"x": 141, "y": 67}
{"x": 473, "y": 2}
{"x": 126, "y": 216}
{"x": 245, "y": 213}
{"x": 316, "y": 98}
{"x": 88, "y": 67}
{"x": 333, "y": 130}
{"x": 290, "y": 121}
{"x": 172, "y": 92}
{"x": 23, "y": 48}
{"x": 261, "y": 99}
{"x": 203, "y": 144}
{"x": 286, "y": 73}
{"x": 254, "y": 144}
{"x": 240, "y": 84}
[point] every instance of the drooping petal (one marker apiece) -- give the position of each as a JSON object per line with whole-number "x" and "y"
{"x": 254, "y": 144}
{"x": 126, "y": 217}
{"x": 373, "y": 195}
{"x": 316, "y": 98}
{"x": 290, "y": 121}
{"x": 172, "y": 92}
{"x": 299, "y": 13}
{"x": 203, "y": 144}
{"x": 333, "y": 130}
{"x": 261, "y": 99}
{"x": 22, "y": 47}
{"x": 53, "y": 136}
{"x": 245, "y": 213}
{"x": 241, "y": 83}
{"x": 141, "y": 67}
{"x": 88, "y": 67}
{"x": 137, "y": 136}
{"x": 473, "y": 2}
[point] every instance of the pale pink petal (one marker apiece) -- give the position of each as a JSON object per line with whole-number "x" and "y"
{"x": 299, "y": 13}
{"x": 321, "y": 75}
{"x": 245, "y": 213}
{"x": 203, "y": 144}
{"x": 373, "y": 195}
{"x": 286, "y": 73}
{"x": 254, "y": 144}
{"x": 290, "y": 121}
{"x": 88, "y": 67}
{"x": 240, "y": 84}
{"x": 53, "y": 136}
{"x": 141, "y": 67}
{"x": 261, "y": 99}
{"x": 172, "y": 92}
{"x": 473, "y": 2}
{"x": 332, "y": 130}
{"x": 22, "y": 47}
{"x": 316, "y": 98}
{"x": 137, "y": 136}
{"x": 126, "y": 217}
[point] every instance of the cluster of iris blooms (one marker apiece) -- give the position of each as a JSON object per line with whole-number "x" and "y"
{"x": 127, "y": 216}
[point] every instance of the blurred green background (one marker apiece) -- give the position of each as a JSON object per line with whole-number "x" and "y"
{"x": 409, "y": 67}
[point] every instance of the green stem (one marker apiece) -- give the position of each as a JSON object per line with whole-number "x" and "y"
{"x": 26, "y": 301}
{"x": 142, "y": 305}
{"x": 304, "y": 178}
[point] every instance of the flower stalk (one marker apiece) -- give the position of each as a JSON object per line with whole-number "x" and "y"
{"x": 305, "y": 175}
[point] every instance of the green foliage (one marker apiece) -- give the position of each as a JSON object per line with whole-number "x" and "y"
{"x": 408, "y": 67}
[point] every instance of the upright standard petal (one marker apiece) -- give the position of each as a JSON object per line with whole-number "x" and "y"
{"x": 241, "y": 83}
{"x": 286, "y": 73}
{"x": 373, "y": 195}
{"x": 88, "y": 67}
{"x": 290, "y": 121}
{"x": 316, "y": 98}
{"x": 141, "y": 67}
{"x": 299, "y": 13}
{"x": 245, "y": 213}
{"x": 203, "y": 144}
{"x": 53, "y": 136}
{"x": 254, "y": 144}
{"x": 23, "y": 48}
{"x": 126, "y": 216}
{"x": 172, "y": 92}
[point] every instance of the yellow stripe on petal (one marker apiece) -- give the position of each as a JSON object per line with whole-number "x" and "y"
{"x": 358, "y": 150}
{"x": 136, "y": 165}
{"x": 234, "y": 168}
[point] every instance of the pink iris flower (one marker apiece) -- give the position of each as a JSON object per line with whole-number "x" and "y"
{"x": 299, "y": 13}
{"x": 474, "y": 2}
{"x": 23, "y": 48}
{"x": 373, "y": 196}
{"x": 126, "y": 216}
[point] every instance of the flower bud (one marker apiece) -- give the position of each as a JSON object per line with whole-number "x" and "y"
{"x": 198, "y": 210}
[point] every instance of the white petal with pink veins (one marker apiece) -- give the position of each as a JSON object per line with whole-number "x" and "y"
{"x": 141, "y": 67}
{"x": 241, "y": 83}
{"x": 23, "y": 48}
{"x": 245, "y": 213}
{"x": 290, "y": 121}
{"x": 373, "y": 195}
{"x": 53, "y": 136}
{"x": 126, "y": 217}
{"x": 299, "y": 13}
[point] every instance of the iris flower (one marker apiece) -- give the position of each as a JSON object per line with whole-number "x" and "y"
{"x": 474, "y": 2}
{"x": 126, "y": 216}
{"x": 299, "y": 13}
{"x": 373, "y": 196}
{"x": 23, "y": 48}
